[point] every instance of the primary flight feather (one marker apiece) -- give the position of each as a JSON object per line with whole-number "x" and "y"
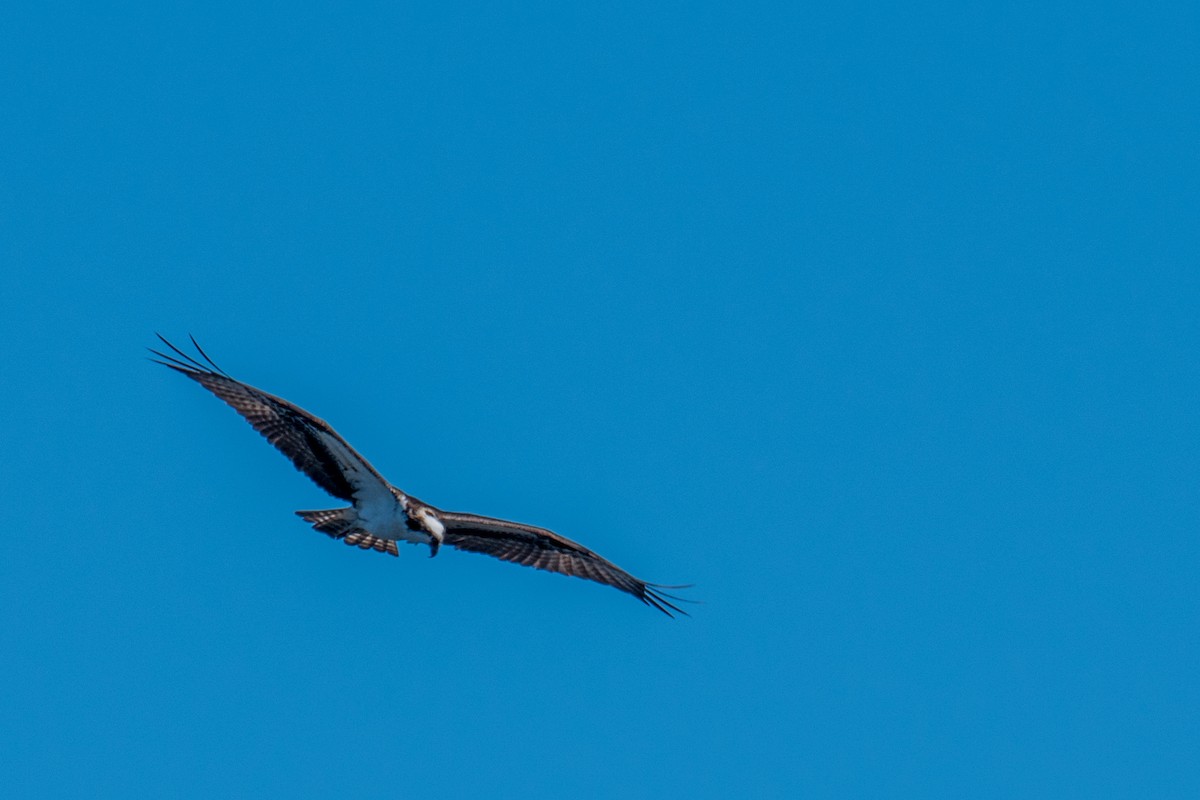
{"x": 382, "y": 515}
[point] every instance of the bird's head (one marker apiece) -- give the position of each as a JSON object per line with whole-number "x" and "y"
{"x": 430, "y": 522}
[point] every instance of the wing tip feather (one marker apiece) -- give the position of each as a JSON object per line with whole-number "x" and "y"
{"x": 651, "y": 596}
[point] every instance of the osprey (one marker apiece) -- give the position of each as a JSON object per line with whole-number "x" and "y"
{"x": 381, "y": 514}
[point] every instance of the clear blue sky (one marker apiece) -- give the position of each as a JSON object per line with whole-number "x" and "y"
{"x": 879, "y": 323}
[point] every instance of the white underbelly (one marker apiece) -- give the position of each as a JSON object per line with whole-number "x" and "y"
{"x": 387, "y": 520}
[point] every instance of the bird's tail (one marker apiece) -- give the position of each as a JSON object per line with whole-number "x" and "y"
{"x": 339, "y": 523}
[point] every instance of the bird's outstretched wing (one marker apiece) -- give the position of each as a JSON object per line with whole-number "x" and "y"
{"x": 314, "y": 447}
{"x": 543, "y": 549}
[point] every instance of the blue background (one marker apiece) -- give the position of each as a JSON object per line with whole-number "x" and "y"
{"x": 877, "y": 322}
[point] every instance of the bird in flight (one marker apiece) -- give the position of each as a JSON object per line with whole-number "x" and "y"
{"x": 381, "y": 514}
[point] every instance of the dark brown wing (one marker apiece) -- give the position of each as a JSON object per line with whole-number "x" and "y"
{"x": 543, "y": 549}
{"x": 296, "y": 433}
